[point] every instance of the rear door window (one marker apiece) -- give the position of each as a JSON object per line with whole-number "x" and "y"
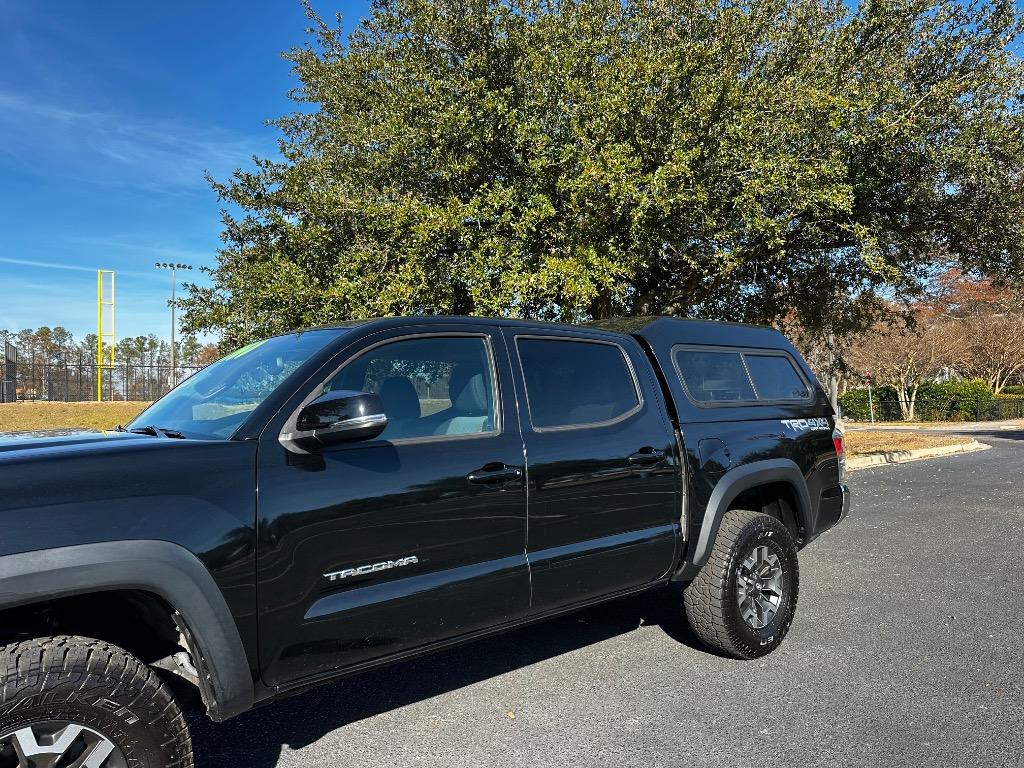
{"x": 576, "y": 383}
{"x": 775, "y": 378}
{"x": 713, "y": 376}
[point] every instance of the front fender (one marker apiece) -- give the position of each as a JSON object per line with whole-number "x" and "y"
{"x": 167, "y": 570}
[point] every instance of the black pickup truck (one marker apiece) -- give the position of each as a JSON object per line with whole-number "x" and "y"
{"x": 323, "y": 502}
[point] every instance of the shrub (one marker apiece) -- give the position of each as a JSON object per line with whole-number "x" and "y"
{"x": 854, "y": 404}
{"x": 936, "y": 401}
{"x": 953, "y": 400}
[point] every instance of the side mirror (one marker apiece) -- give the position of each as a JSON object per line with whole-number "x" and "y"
{"x": 337, "y": 417}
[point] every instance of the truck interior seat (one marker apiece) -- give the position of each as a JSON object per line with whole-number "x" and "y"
{"x": 470, "y": 411}
{"x": 402, "y": 406}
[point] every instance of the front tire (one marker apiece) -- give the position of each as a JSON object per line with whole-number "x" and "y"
{"x": 743, "y": 600}
{"x": 73, "y": 701}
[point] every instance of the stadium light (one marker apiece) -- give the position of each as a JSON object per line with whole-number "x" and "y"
{"x": 173, "y": 267}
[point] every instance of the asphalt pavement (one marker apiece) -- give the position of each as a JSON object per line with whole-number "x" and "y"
{"x": 906, "y": 650}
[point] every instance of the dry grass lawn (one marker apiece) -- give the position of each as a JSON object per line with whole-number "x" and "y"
{"x": 17, "y": 417}
{"x": 859, "y": 443}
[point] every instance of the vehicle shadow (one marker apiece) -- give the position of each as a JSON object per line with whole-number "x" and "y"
{"x": 256, "y": 739}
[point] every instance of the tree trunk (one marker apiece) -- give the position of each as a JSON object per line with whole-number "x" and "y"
{"x": 907, "y": 395}
{"x": 913, "y": 402}
{"x": 832, "y": 383}
{"x": 601, "y": 306}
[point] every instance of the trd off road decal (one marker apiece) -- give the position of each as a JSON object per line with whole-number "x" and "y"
{"x": 805, "y": 425}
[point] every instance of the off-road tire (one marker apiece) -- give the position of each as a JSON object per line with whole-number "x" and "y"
{"x": 97, "y": 685}
{"x": 712, "y": 608}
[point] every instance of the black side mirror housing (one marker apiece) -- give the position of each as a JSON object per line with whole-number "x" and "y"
{"x": 337, "y": 417}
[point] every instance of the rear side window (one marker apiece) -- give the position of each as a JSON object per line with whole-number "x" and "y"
{"x": 576, "y": 383}
{"x": 740, "y": 376}
{"x": 714, "y": 376}
{"x": 775, "y": 378}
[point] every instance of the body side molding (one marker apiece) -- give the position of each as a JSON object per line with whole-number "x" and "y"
{"x": 167, "y": 570}
{"x": 734, "y": 482}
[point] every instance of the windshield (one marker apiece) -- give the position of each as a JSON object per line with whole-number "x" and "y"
{"x": 214, "y": 402}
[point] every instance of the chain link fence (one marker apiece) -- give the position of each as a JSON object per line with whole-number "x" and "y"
{"x": 76, "y": 382}
{"x": 9, "y": 374}
{"x": 959, "y": 409}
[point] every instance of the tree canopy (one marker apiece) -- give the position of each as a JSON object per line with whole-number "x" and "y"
{"x": 577, "y": 159}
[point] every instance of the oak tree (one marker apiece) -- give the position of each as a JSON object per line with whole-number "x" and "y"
{"x": 576, "y": 159}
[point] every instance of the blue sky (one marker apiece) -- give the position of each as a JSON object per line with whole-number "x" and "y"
{"x": 110, "y": 112}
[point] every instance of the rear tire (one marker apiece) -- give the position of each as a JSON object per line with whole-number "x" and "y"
{"x": 743, "y": 600}
{"x": 77, "y": 701}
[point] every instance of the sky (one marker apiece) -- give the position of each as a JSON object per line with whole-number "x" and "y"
{"x": 110, "y": 114}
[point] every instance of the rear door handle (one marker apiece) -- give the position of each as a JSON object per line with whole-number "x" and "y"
{"x": 494, "y": 473}
{"x": 647, "y": 456}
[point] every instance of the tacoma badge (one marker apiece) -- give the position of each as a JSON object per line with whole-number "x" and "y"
{"x": 362, "y": 570}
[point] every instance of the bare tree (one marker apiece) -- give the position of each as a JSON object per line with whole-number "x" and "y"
{"x": 906, "y": 353}
{"x": 995, "y": 348}
{"x": 824, "y": 352}
{"x": 992, "y": 320}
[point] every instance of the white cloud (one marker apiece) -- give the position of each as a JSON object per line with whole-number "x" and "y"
{"x": 69, "y": 267}
{"x": 142, "y": 247}
{"x": 46, "y": 264}
{"x": 110, "y": 149}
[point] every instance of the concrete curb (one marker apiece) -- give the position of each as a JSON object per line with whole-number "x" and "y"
{"x": 902, "y": 457}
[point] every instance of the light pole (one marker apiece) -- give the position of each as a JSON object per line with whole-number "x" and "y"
{"x": 174, "y": 287}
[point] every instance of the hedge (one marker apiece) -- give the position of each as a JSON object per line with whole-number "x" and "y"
{"x": 936, "y": 401}
{"x": 854, "y": 404}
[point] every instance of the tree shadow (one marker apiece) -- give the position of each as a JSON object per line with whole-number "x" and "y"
{"x": 256, "y": 739}
{"x": 1003, "y": 434}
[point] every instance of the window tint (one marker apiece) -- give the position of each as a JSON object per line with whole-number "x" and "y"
{"x": 575, "y": 382}
{"x": 775, "y": 378}
{"x": 714, "y": 376}
{"x": 430, "y": 386}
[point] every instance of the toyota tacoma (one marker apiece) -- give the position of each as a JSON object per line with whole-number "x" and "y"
{"x": 323, "y": 502}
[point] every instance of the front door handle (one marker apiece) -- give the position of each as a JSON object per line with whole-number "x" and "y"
{"x": 493, "y": 473}
{"x": 647, "y": 455}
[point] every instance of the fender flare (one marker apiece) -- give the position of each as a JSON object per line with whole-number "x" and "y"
{"x": 733, "y": 483}
{"x": 167, "y": 570}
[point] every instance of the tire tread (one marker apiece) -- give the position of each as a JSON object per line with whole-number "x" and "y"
{"x": 705, "y": 597}
{"x": 71, "y": 664}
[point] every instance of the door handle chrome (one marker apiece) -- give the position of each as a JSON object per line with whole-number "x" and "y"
{"x": 647, "y": 456}
{"x": 490, "y": 474}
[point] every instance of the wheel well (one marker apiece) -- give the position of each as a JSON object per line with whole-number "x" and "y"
{"x": 139, "y": 622}
{"x": 776, "y": 499}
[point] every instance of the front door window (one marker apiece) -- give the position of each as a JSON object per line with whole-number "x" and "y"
{"x": 431, "y": 387}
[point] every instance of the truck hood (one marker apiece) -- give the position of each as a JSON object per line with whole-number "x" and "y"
{"x": 55, "y": 439}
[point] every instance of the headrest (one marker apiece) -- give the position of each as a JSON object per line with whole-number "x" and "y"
{"x": 473, "y": 397}
{"x": 459, "y": 377}
{"x": 400, "y": 399}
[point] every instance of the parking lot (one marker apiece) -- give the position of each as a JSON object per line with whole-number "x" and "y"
{"x": 906, "y": 650}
